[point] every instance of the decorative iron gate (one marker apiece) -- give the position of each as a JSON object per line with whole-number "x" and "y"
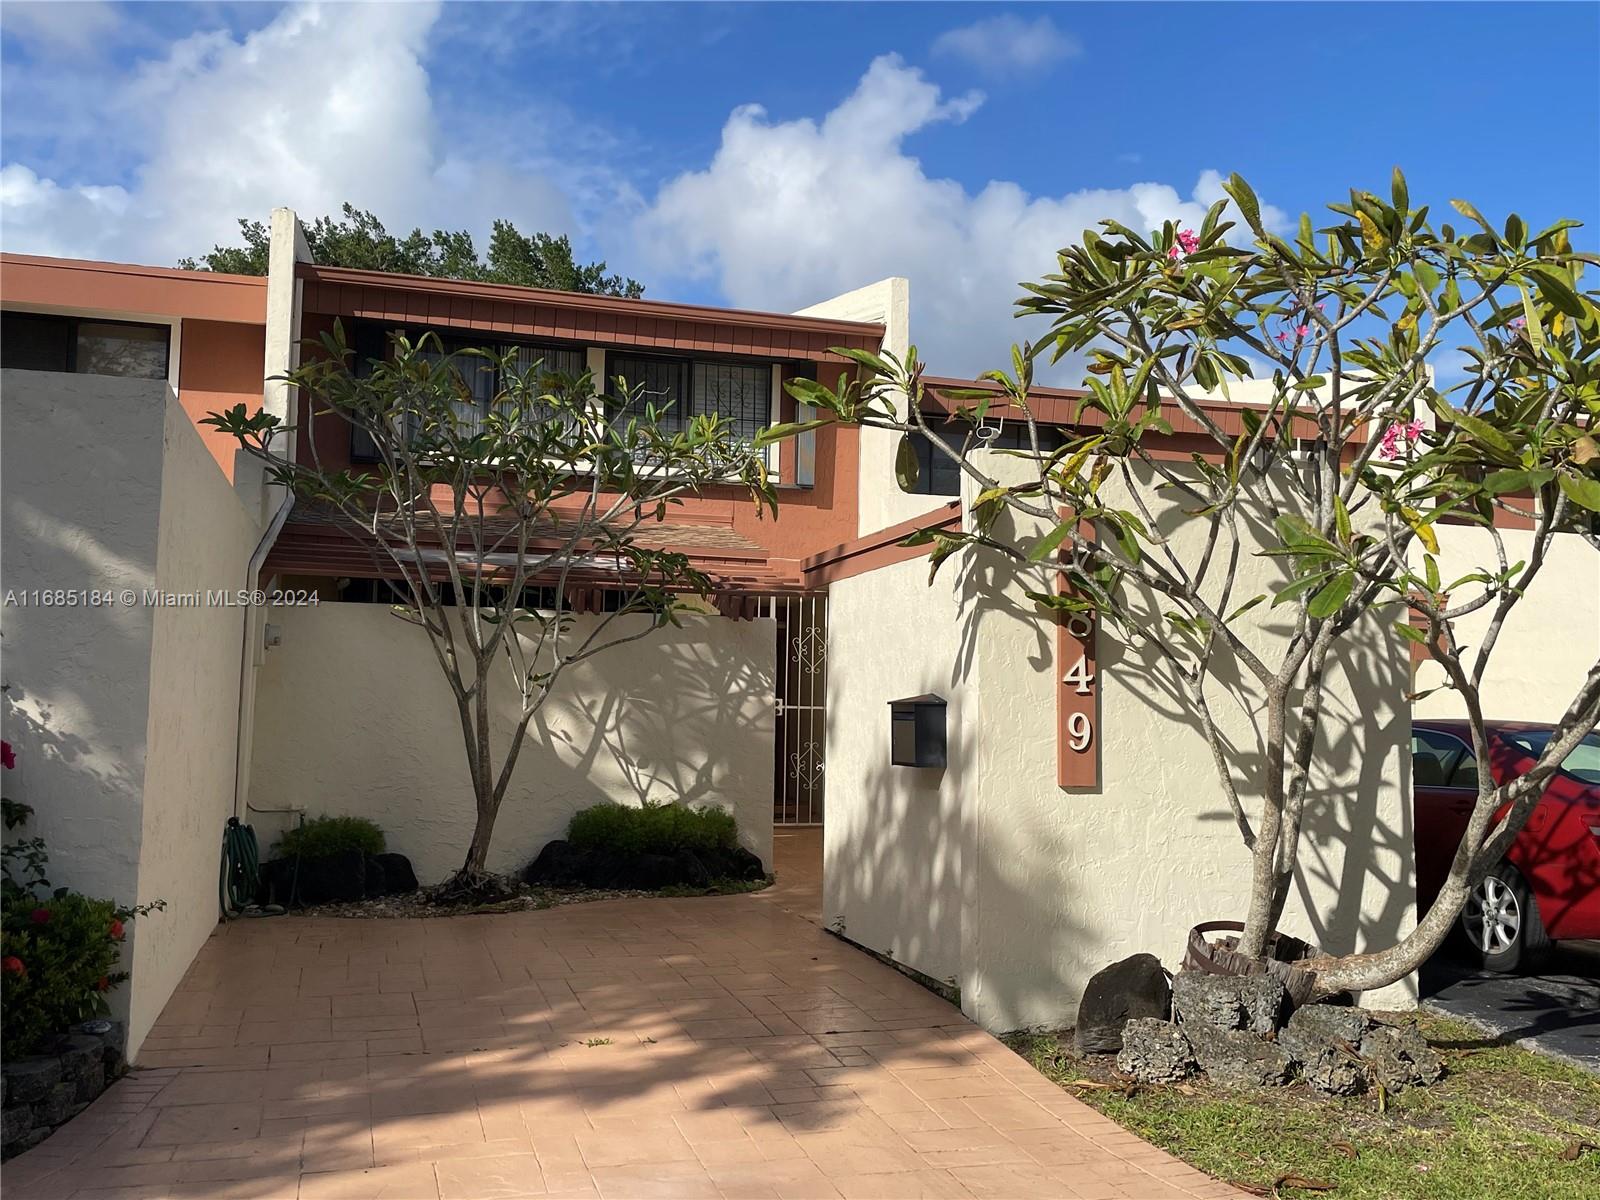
{"x": 801, "y": 728}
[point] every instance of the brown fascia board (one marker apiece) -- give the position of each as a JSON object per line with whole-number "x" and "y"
{"x": 70, "y": 283}
{"x": 461, "y": 295}
{"x": 875, "y": 550}
{"x": 1058, "y": 406}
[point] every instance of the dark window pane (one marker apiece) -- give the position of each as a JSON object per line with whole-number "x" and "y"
{"x": 741, "y": 393}
{"x": 653, "y": 382}
{"x": 35, "y": 342}
{"x": 134, "y": 351}
{"x": 548, "y": 361}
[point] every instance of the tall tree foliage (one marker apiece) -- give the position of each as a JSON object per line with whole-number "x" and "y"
{"x": 358, "y": 239}
{"x": 1347, "y": 319}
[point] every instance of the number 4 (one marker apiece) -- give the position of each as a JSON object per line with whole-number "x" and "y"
{"x": 1079, "y": 677}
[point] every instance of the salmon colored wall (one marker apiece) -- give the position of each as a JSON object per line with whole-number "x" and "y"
{"x": 809, "y": 519}
{"x": 220, "y": 365}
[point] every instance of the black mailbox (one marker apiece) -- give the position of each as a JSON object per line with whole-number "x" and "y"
{"x": 916, "y": 732}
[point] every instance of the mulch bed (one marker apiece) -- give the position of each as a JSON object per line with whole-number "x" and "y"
{"x": 421, "y": 904}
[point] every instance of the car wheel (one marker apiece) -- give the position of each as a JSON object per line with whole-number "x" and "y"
{"x": 1501, "y": 921}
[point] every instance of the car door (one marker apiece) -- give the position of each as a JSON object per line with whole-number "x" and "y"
{"x": 1444, "y": 786}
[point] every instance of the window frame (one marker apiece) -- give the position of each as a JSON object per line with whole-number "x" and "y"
{"x": 451, "y": 341}
{"x": 76, "y": 317}
{"x": 1463, "y": 753}
{"x": 686, "y": 363}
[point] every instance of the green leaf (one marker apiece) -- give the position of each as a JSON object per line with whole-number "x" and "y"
{"x": 1047, "y": 545}
{"x": 1341, "y": 519}
{"x": 1497, "y": 483}
{"x": 1305, "y": 582}
{"x": 905, "y": 464}
{"x": 1581, "y": 490}
{"x": 1531, "y": 316}
{"x": 1245, "y": 198}
{"x": 1557, "y": 291}
{"x": 1430, "y": 569}
{"x": 1328, "y": 601}
{"x": 1245, "y": 607}
{"x": 1466, "y": 210}
{"x": 1411, "y": 633}
{"x": 1397, "y": 189}
{"x": 777, "y": 433}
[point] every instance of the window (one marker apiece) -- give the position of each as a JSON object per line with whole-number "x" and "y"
{"x": 1440, "y": 760}
{"x": 481, "y": 376}
{"x": 940, "y": 475}
{"x": 1582, "y": 764}
{"x": 74, "y": 345}
{"x": 741, "y": 393}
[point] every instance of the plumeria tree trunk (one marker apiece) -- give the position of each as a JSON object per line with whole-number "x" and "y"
{"x": 1357, "y": 454}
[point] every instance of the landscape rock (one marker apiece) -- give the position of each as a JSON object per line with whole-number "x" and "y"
{"x": 1136, "y": 987}
{"x": 559, "y": 864}
{"x": 28, "y": 1079}
{"x": 377, "y": 883}
{"x": 1155, "y": 1051}
{"x": 1400, "y": 1057}
{"x": 333, "y": 878}
{"x": 1238, "y": 1058}
{"x": 277, "y": 880}
{"x": 55, "y": 1106}
{"x": 691, "y": 871}
{"x": 1324, "y": 1041}
{"x": 82, "y": 1055}
{"x": 399, "y": 878}
{"x": 1251, "y": 1002}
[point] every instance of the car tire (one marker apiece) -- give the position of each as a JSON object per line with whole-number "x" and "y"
{"x": 1515, "y": 933}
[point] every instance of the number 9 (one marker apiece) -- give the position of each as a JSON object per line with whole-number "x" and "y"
{"x": 1080, "y": 731}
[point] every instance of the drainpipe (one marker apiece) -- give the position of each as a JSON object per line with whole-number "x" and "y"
{"x": 247, "y": 644}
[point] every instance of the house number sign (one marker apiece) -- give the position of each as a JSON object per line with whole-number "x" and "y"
{"x": 1077, "y": 695}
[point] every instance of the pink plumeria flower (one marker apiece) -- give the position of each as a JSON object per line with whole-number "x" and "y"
{"x": 1389, "y": 445}
{"x": 1301, "y": 330}
{"x": 1186, "y": 244}
{"x": 1414, "y": 429}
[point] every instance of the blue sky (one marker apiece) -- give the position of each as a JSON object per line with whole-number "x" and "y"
{"x": 955, "y": 144}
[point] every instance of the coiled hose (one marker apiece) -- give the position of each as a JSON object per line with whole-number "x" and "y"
{"x": 241, "y": 868}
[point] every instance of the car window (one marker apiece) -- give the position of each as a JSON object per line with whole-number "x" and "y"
{"x": 1465, "y": 774}
{"x": 1433, "y": 756}
{"x": 1582, "y": 764}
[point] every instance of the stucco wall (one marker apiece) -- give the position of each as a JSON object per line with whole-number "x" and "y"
{"x": 881, "y": 502}
{"x": 1548, "y": 642}
{"x": 204, "y": 543}
{"x": 353, "y": 716}
{"x": 893, "y": 836}
{"x": 1053, "y": 885}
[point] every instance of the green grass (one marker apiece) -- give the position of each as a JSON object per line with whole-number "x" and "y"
{"x": 1493, "y": 1129}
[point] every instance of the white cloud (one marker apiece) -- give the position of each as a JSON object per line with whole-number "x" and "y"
{"x": 321, "y": 105}
{"x": 52, "y": 27}
{"x": 788, "y": 213}
{"x": 1007, "y": 44}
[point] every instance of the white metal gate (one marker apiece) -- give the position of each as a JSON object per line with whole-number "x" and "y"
{"x": 797, "y": 790}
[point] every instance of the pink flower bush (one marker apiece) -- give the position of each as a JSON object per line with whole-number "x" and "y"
{"x": 1389, "y": 445}
{"x": 1187, "y": 244}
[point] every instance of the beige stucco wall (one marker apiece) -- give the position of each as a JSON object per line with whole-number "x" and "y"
{"x": 204, "y": 542}
{"x": 121, "y": 713}
{"x": 887, "y": 302}
{"x": 353, "y": 716}
{"x": 1546, "y": 645}
{"x": 893, "y": 836}
{"x": 1052, "y": 885}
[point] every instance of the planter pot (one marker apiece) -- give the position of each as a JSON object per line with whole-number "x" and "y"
{"x": 1222, "y": 958}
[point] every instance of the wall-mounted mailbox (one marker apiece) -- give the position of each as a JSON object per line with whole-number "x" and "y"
{"x": 916, "y": 732}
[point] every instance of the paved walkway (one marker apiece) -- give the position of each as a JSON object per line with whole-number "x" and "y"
{"x": 716, "y": 1047}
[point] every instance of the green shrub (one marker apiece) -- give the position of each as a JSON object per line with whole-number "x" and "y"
{"x": 321, "y": 837}
{"x": 60, "y": 959}
{"x": 653, "y": 829}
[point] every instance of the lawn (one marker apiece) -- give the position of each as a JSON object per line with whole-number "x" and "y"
{"x": 1503, "y": 1124}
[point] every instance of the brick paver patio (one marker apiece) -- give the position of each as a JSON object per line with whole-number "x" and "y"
{"x": 716, "y": 1047}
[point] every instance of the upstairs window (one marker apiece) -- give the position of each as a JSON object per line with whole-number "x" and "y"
{"x": 740, "y": 393}
{"x": 940, "y": 475}
{"x": 83, "y": 346}
{"x": 480, "y": 376}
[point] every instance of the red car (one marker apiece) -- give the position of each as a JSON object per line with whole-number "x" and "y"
{"x": 1548, "y": 886}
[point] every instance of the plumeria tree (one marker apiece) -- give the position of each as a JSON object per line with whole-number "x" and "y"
{"x": 1356, "y": 453}
{"x": 488, "y": 517}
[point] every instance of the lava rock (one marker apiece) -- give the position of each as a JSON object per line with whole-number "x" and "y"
{"x": 15, "y": 1124}
{"x": 1400, "y": 1057}
{"x": 399, "y": 878}
{"x": 690, "y": 870}
{"x": 1250, "y": 1002}
{"x": 56, "y": 1105}
{"x": 81, "y": 1056}
{"x": 1237, "y": 1058}
{"x": 28, "y": 1079}
{"x": 1155, "y": 1051}
{"x": 277, "y": 880}
{"x": 333, "y": 878}
{"x": 377, "y": 883}
{"x": 1324, "y": 1040}
{"x": 559, "y": 864}
{"x": 1135, "y": 987}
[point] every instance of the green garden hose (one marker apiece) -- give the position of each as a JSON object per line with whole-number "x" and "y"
{"x": 241, "y": 868}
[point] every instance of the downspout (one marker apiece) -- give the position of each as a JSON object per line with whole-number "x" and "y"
{"x": 247, "y": 642}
